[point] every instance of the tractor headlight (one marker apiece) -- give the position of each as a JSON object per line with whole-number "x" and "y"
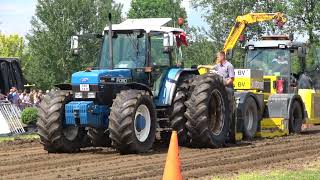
{"x": 91, "y": 95}
{"x": 78, "y": 95}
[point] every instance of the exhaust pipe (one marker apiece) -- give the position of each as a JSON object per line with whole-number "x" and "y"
{"x": 110, "y": 43}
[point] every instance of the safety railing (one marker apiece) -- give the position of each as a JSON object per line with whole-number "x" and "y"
{"x": 12, "y": 115}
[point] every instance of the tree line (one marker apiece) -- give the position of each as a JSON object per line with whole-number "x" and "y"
{"x": 45, "y": 52}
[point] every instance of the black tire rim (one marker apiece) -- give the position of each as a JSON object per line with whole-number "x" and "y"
{"x": 216, "y": 112}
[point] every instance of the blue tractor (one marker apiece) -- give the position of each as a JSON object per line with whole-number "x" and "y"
{"x": 137, "y": 91}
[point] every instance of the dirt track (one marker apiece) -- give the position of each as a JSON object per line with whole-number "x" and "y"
{"x": 27, "y": 160}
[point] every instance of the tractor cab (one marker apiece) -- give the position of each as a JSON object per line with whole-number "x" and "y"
{"x": 142, "y": 48}
{"x": 281, "y": 60}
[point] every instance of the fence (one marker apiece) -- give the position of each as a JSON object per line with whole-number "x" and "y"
{"x": 12, "y": 115}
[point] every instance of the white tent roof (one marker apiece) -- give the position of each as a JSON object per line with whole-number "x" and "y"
{"x": 147, "y": 24}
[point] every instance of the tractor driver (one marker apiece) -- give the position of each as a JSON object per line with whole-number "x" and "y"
{"x": 225, "y": 69}
{"x": 280, "y": 63}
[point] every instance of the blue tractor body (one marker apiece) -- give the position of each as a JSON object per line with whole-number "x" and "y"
{"x": 85, "y": 111}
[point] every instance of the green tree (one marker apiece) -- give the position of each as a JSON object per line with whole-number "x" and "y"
{"x": 49, "y": 43}
{"x": 305, "y": 18}
{"x": 157, "y": 9}
{"x": 221, "y": 15}
{"x": 11, "y": 46}
{"x": 200, "y": 49}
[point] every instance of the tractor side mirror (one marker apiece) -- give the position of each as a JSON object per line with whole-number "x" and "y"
{"x": 229, "y": 54}
{"x": 302, "y": 52}
{"x": 168, "y": 41}
{"x": 75, "y": 45}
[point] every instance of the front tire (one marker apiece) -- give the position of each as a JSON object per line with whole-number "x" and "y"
{"x": 296, "y": 118}
{"x": 250, "y": 121}
{"x": 51, "y": 114}
{"x": 132, "y": 122}
{"x": 208, "y": 112}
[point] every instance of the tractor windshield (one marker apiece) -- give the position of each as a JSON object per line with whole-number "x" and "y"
{"x": 271, "y": 61}
{"x": 128, "y": 50}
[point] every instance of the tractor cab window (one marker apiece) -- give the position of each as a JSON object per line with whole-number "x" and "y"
{"x": 295, "y": 63}
{"x": 158, "y": 56}
{"x": 128, "y": 50}
{"x": 272, "y": 61}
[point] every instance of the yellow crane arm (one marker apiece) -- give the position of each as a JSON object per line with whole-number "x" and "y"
{"x": 243, "y": 21}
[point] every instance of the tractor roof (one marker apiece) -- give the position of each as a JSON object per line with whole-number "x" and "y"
{"x": 274, "y": 43}
{"x": 146, "y": 24}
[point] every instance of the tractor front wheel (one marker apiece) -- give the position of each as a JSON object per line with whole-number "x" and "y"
{"x": 296, "y": 118}
{"x": 132, "y": 122}
{"x": 250, "y": 121}
{"x": 53, "y": 135}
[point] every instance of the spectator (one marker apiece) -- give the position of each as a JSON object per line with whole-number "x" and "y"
{"x": 9, "y": 96}
{"x": 25, "y": 99}
{"x": 36, "y": 98}
{"x": 40, "y": 94}
{"x": 15, "y": 96}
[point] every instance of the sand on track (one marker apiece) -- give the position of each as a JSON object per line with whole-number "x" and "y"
{"x": 28, "y": 160}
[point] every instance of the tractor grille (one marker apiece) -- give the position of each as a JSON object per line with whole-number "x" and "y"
{"x": 266, "y": 86}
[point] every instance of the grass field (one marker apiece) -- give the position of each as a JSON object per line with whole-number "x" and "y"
{"x": 17, "y": 137}
{"x": 309, "y": 172}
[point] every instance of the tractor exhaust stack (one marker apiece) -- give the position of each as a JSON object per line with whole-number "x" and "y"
{"x": 110, "y": 42}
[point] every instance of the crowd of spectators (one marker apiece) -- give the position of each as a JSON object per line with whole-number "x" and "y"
{"x": 26, "y": 98}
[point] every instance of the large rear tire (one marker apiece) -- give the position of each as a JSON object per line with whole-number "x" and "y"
{"x": 177, "y": 118}
{"x": 53, "y": 135}
{"x": 99, "y": 137}
{"x": 250, "y": 121}
{"x": 132, "y": 122}
{"x": 208, "y": 112}
{"x": 296, "y": 118}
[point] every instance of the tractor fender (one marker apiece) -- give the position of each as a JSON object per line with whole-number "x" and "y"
{"x": 241, "y": 98}
{"x": 64, "y": 86}
{"x": 169, "y": 84}
{"x": 139, "y": 86}
{"x": 279, "y": 105}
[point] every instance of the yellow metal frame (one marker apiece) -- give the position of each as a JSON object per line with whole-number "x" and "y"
{"x": 273, "y": 127}
{"x": 308, "y": 96}
{"x": 243, "y": 21}
{"x": 238, "y": 28}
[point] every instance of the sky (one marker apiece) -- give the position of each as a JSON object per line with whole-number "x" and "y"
{"x": 15, "y": 15}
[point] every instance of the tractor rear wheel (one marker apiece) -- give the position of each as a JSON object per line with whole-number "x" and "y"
{"x": 250, "y": 118}
{"x": 132, "y": 122}
{"x": 296, "y": 118}
{"x": 208, "y": 112}
{"x": 53, "y": 135}
{"x": 177, "y": 118}
{"x": 99, "y": 137}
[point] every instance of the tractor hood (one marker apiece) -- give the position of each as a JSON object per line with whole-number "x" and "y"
{"x": 93, "y": 76}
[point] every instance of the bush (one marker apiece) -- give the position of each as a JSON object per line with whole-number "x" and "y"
{"x": 29, "y": 115}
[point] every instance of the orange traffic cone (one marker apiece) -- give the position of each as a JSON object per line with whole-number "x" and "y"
{"x": 172, "y": 167}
